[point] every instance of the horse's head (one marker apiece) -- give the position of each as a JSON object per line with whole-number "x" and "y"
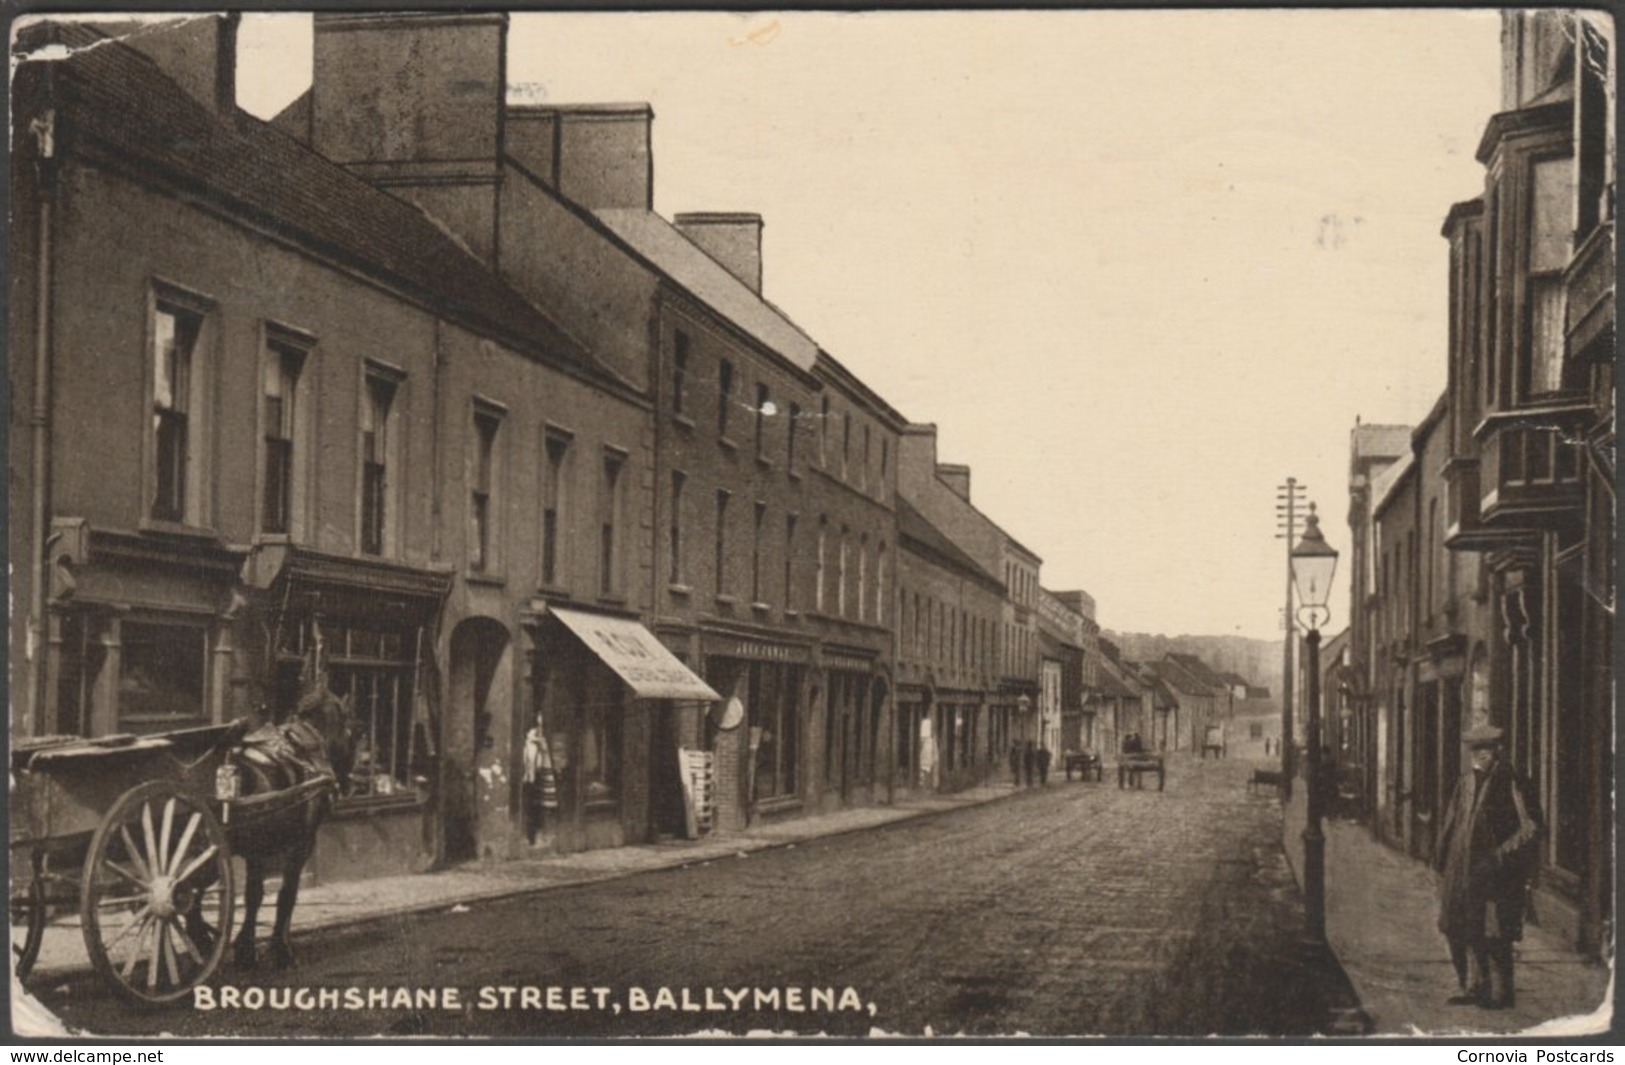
{"x": 334, "y": 718}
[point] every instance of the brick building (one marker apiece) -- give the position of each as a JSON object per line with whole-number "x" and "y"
{"x": 1490, "y": 547}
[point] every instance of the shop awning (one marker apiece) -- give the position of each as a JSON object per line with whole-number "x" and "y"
{"x": 636, "y": 656}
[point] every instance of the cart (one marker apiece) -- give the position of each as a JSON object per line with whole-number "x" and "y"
{"x": 131, "y": 832}
{"x": 1132, "y": 767}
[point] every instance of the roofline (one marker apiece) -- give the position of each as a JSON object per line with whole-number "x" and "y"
{"x": 846, "y": 377}
{"x": 1425, "y": 427}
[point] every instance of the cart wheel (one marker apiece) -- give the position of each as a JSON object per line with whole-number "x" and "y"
{"x": 156, "y": 898}
{"x": 28, "y": 917}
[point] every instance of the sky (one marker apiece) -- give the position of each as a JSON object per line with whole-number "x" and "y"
{"x": 1139, "y": 267}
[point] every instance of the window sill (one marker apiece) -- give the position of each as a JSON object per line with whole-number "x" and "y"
{"x": 489, "y": 580}
{"x": 177, "y": 528}
{"x": 556, "y": 591}
{"x": 683, "y": 420}
{"x": 727, "y": 444}
{"x": 613, "y": 599}
{"x": 727, "y": 600}
{"x": 791, "y": 615}
{"x": 779, "y": 804}
{"x": 680, "y": 589}
{"x": 793, "y": 474}
{"x": 760, "y": 608}
{"x": 764, "y": 462}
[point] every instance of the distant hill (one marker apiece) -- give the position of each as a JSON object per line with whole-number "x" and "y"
{"x": 1257, "y": 660}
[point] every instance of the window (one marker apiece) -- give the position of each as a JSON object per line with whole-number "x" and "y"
{"x": 162, "y": 675}
{"x": 1549, "y": 251}
{"x": 823, "y": 434}
{"x": 679, "y": 373}
{"x": 555, "y": 501}
{"x": 790, "y": 437}
{"x": 846, "y": 446}
{"x": 725, "y": 390}
{"x": 773, "y": 694}
{"x": 880, "y": 585}
{"x": 482, "y": 482}
{"x": 764, "y": 407}
{"x": 863, "y": 471}
{"x": 756, "y": 554}
{"x": 609, "y": 521}
{"x": 377, "y": 452}
{"x": 840, "y": 576}
{"x": 722, "y": 543}
{"x": 283, "y": 363}
{"x": 789, "y": 562}
{"x": 818, "y": 583}
{"x": 885, "y": 462}
{"x": 863, "y": 579}
{"x": 675, "y": 545}
{"x": 176, "y": 397}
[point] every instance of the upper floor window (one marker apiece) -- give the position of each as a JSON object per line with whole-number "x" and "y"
{"x": 846, "y": 445}
{"x": 609, "y": 523}
{"x": 555, "y": 502}
{"x": 880, "y": 584}
{"x": 282, "y": 417}
{"x": 378, "y": 447}
{"x": 789, "y": 562}
{"x": 863, "y": 471}
{"x": 840, "y": 576}
{"x": 756, "y": 549}
{"x": 1550, "y": 248}
{"x": 177, "y": 402}
{"x": 793, "y": 429}
{"x": 679, "y": 372}
{"x": 764, "y": 407}
{"x": 675, "y": 527}
{"x": 721, "y": 560}
{"x": 821, "y": 574}
{"x": 863, "y": 579}
{"x": 482, "y": 483}
{"x": 725, "y": 391}
{"x": 823, "y": 433}
{"x": 885, "y": 461}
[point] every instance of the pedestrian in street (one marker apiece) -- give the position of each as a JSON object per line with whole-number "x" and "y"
{"x": 1015, "y": 764}
{"x": 1486, "y": 858}
{"x": 1029, "y": 761}
{"x": 1044, "y": 758}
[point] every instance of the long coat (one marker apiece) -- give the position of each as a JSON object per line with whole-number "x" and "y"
{"x": 1486, "y": 855}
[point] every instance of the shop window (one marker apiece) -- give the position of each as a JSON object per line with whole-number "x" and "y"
{"x": 601, "y": 748}
{"x": 774, "y": 693}
{"x": 163, "y": 672}
{"x": 284, "y": 362}
{"x": 555, "y": 505}
{"x": 178, "y": 397}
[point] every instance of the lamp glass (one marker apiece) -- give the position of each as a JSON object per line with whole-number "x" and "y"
{"x": 1314, "y": 562}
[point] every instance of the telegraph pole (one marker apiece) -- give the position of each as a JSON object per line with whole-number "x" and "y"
{"x": 1286, "y": 521}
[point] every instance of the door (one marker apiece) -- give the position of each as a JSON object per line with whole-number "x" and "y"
{"x": 667, "y": 817}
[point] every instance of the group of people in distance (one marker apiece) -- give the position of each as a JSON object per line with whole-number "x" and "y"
{"x": 1029, "y": 760}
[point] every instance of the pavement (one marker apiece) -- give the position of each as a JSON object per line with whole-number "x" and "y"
{"x": 1381, "y": 908}
{"x": 344, "y": 903}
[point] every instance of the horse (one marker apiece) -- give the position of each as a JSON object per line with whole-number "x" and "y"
{"x": 317, "y": 742}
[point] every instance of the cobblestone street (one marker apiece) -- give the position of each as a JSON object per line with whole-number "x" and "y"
{"x": 1077, "y": 909}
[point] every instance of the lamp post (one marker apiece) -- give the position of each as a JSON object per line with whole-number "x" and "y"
{"x": 1314, "y": 561}
{"x": 1023, "y": 705}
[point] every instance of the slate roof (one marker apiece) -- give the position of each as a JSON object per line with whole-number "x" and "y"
{"x": 1110, "y": 683}
{"x": 681, "y": 259}
{"x": 914, "y": 526}
{"x": 1179, "y": 679}
{"x": 1199, "y": 669}
{"x": 113, "y": 100}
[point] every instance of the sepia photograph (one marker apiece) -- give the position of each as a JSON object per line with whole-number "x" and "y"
{"x": 573, "y": 526}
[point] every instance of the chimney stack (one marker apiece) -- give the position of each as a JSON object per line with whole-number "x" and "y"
{"x": 732, "y": 238}
{"x": 197, "y": 52}
{"x": 597, "y": 155}
{"x": 956, "y": 477}
{"x": 415, "y": 103}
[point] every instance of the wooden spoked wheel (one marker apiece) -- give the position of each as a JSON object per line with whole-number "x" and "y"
{"x": 27, "y": 913}
{"x": 156, "y": 897}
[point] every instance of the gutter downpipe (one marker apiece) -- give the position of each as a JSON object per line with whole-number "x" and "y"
{"x": 44, "y": 131}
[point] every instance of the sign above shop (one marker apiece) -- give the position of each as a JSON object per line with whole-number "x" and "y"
{"x": 636, "y": 656}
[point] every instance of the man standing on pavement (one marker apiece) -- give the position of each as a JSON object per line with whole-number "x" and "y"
{"x": 1029, "y": 759}
{"x": 1486, "y": 857}
{"x": 1043, "y": 765}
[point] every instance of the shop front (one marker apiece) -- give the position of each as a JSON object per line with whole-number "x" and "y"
{"x": 759, "y": 734}
{"x": 598, "y": 758}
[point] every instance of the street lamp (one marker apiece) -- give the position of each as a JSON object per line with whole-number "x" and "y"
{"x": 1023, "y": 705}
{"x": 1314, "y": 561}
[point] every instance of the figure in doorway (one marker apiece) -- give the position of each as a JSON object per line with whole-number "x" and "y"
{"x": 540, "y": 782}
